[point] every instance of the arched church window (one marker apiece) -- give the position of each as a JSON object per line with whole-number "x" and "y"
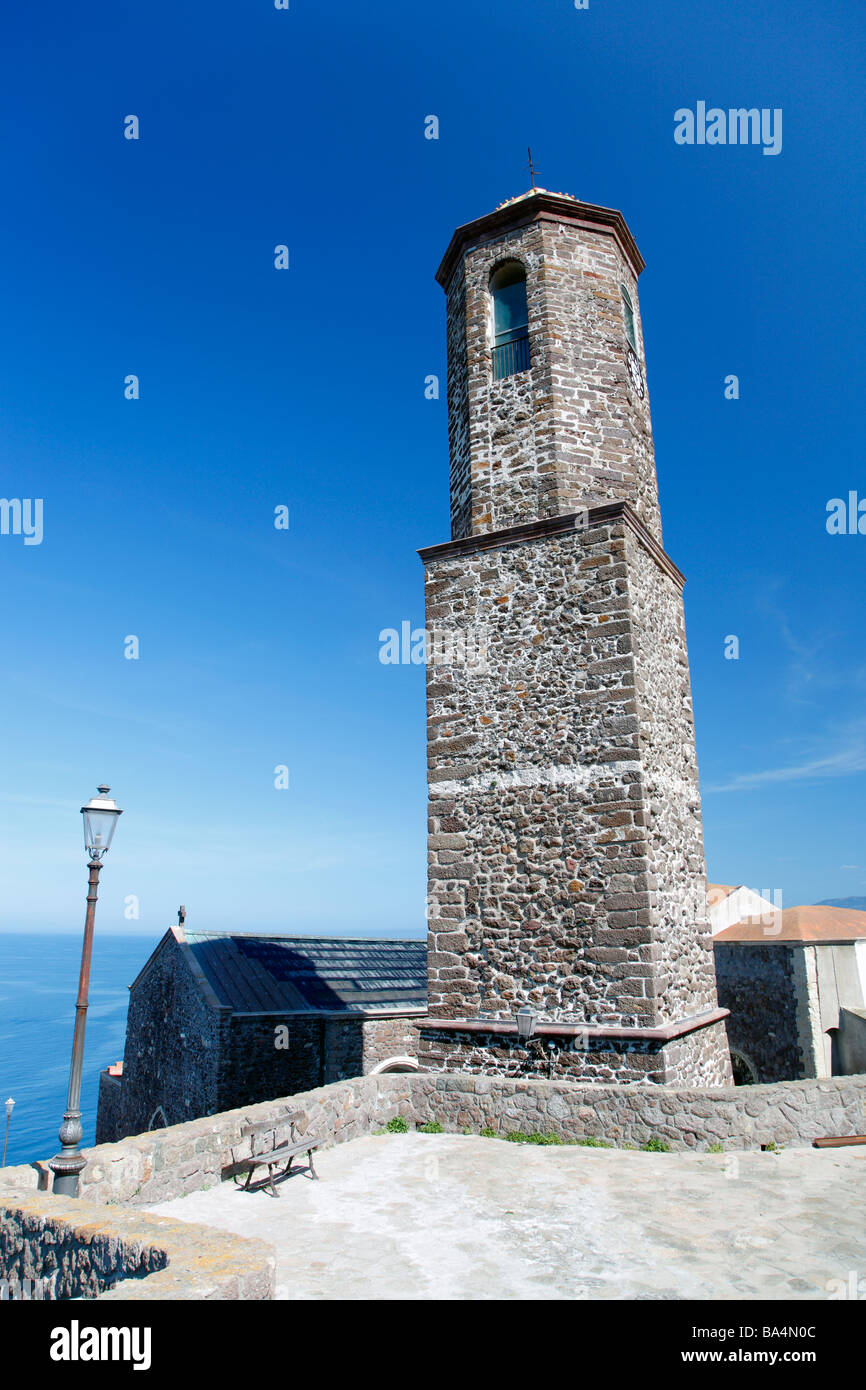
{"x": 628, "y": 310}
{"x": 510, "y": 320}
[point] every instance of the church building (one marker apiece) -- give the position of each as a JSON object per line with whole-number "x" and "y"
{"x": 219, "y": 1020}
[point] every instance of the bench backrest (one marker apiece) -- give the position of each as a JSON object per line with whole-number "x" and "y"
{"x": 261, "y": 1126}
{"x": 258, "y": 1131}
{"x": 291, "y": 1117}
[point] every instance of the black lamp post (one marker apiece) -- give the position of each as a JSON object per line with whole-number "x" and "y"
{"x": 100, "y": 817}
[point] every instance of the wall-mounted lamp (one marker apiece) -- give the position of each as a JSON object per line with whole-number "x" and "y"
{"x": 525, "y": 1022}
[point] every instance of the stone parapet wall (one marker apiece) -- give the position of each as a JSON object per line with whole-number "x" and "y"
{"x": 791, "y": 1113}
{"x": 162, "y": 1164}
{"x": 63, "y": 1248}
{"x": 96, "y": 1246}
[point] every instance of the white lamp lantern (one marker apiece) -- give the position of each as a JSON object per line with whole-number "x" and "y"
{"x": 525, "y": 1022}
{"x": 100, "y": 817}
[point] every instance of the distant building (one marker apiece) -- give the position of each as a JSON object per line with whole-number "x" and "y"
{"x": 795, "y": 984}
{"x": 221, "y": 1020}
{"x": 729, "y": 904}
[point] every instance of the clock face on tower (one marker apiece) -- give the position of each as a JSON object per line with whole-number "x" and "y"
{"x": 634, "y": 372}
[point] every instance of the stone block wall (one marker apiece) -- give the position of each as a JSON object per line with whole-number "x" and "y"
{"x": 692, "y": 1059}
{"x": 565, "y": 844}
{"x": 172, "y": 1046}
{"x": 534, "y": 780}
{"x": 758, "y": 984}
{"x": 252, "y": 1068}
{"x": 109, "y": 1109}
{"x": 322, "y": 1049}
{"x": 386, "y": 1038}
{"x": 343, "y": 1049}
{"x": 356, "y": 1046}
{"x": 682, "y": 976}
{"x": 458, "y": 408}
{"x": 68, "y": 1257}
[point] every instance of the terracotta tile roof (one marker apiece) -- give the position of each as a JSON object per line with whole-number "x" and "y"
{"x": 717, "y": 891}
{"x": 806, "y": 924}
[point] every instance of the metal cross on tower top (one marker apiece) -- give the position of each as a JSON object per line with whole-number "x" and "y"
{"x": 532, "y": 170}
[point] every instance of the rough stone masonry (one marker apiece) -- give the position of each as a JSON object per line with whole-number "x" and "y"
{"x": 566, "y": 859}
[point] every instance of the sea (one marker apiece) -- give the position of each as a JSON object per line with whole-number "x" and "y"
{"x": 38, "y": 989}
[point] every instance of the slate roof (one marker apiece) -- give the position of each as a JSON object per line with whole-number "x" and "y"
{"x": 284, "y": 974}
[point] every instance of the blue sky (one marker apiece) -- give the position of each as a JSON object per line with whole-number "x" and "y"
{"x": 306, "y": 388}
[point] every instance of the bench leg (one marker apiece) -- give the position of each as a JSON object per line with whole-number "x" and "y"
{"x": 271, "y": 1167}
{"x": 312, "y": 1168}
{"x": 249, "y": 1179}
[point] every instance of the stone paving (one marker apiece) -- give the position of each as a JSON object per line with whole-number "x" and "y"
{"x": 419, "y": 1216}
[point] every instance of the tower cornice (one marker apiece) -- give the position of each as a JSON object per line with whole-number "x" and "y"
{"x": 536, "y": 206}
{"x": 558, "y": 526}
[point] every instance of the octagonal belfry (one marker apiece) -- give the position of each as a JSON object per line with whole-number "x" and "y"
{"x": 566, "y": 859}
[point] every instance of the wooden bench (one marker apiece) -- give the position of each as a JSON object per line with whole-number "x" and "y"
{"x": 840, "y": 1141}
{"x": 265, "y": 1152}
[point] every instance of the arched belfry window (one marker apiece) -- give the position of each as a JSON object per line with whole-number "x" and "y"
{"x": 510, "y": 320}
{"x": 628, "y": 310}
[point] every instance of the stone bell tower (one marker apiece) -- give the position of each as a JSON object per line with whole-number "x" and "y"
{"x": 566, "y": 863}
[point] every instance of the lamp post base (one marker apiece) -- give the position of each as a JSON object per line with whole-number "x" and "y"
{"x": 67, "y": 1165}
{"x": 66, "y": 1168}
{"x": 66, "y": 1171}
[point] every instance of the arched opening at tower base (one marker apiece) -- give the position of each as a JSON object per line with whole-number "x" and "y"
{"x": 396, "y": 1064}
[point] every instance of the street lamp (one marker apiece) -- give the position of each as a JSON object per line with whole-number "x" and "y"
{"x": 10, "y": 1105}
{"x": 100, "y": 817}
